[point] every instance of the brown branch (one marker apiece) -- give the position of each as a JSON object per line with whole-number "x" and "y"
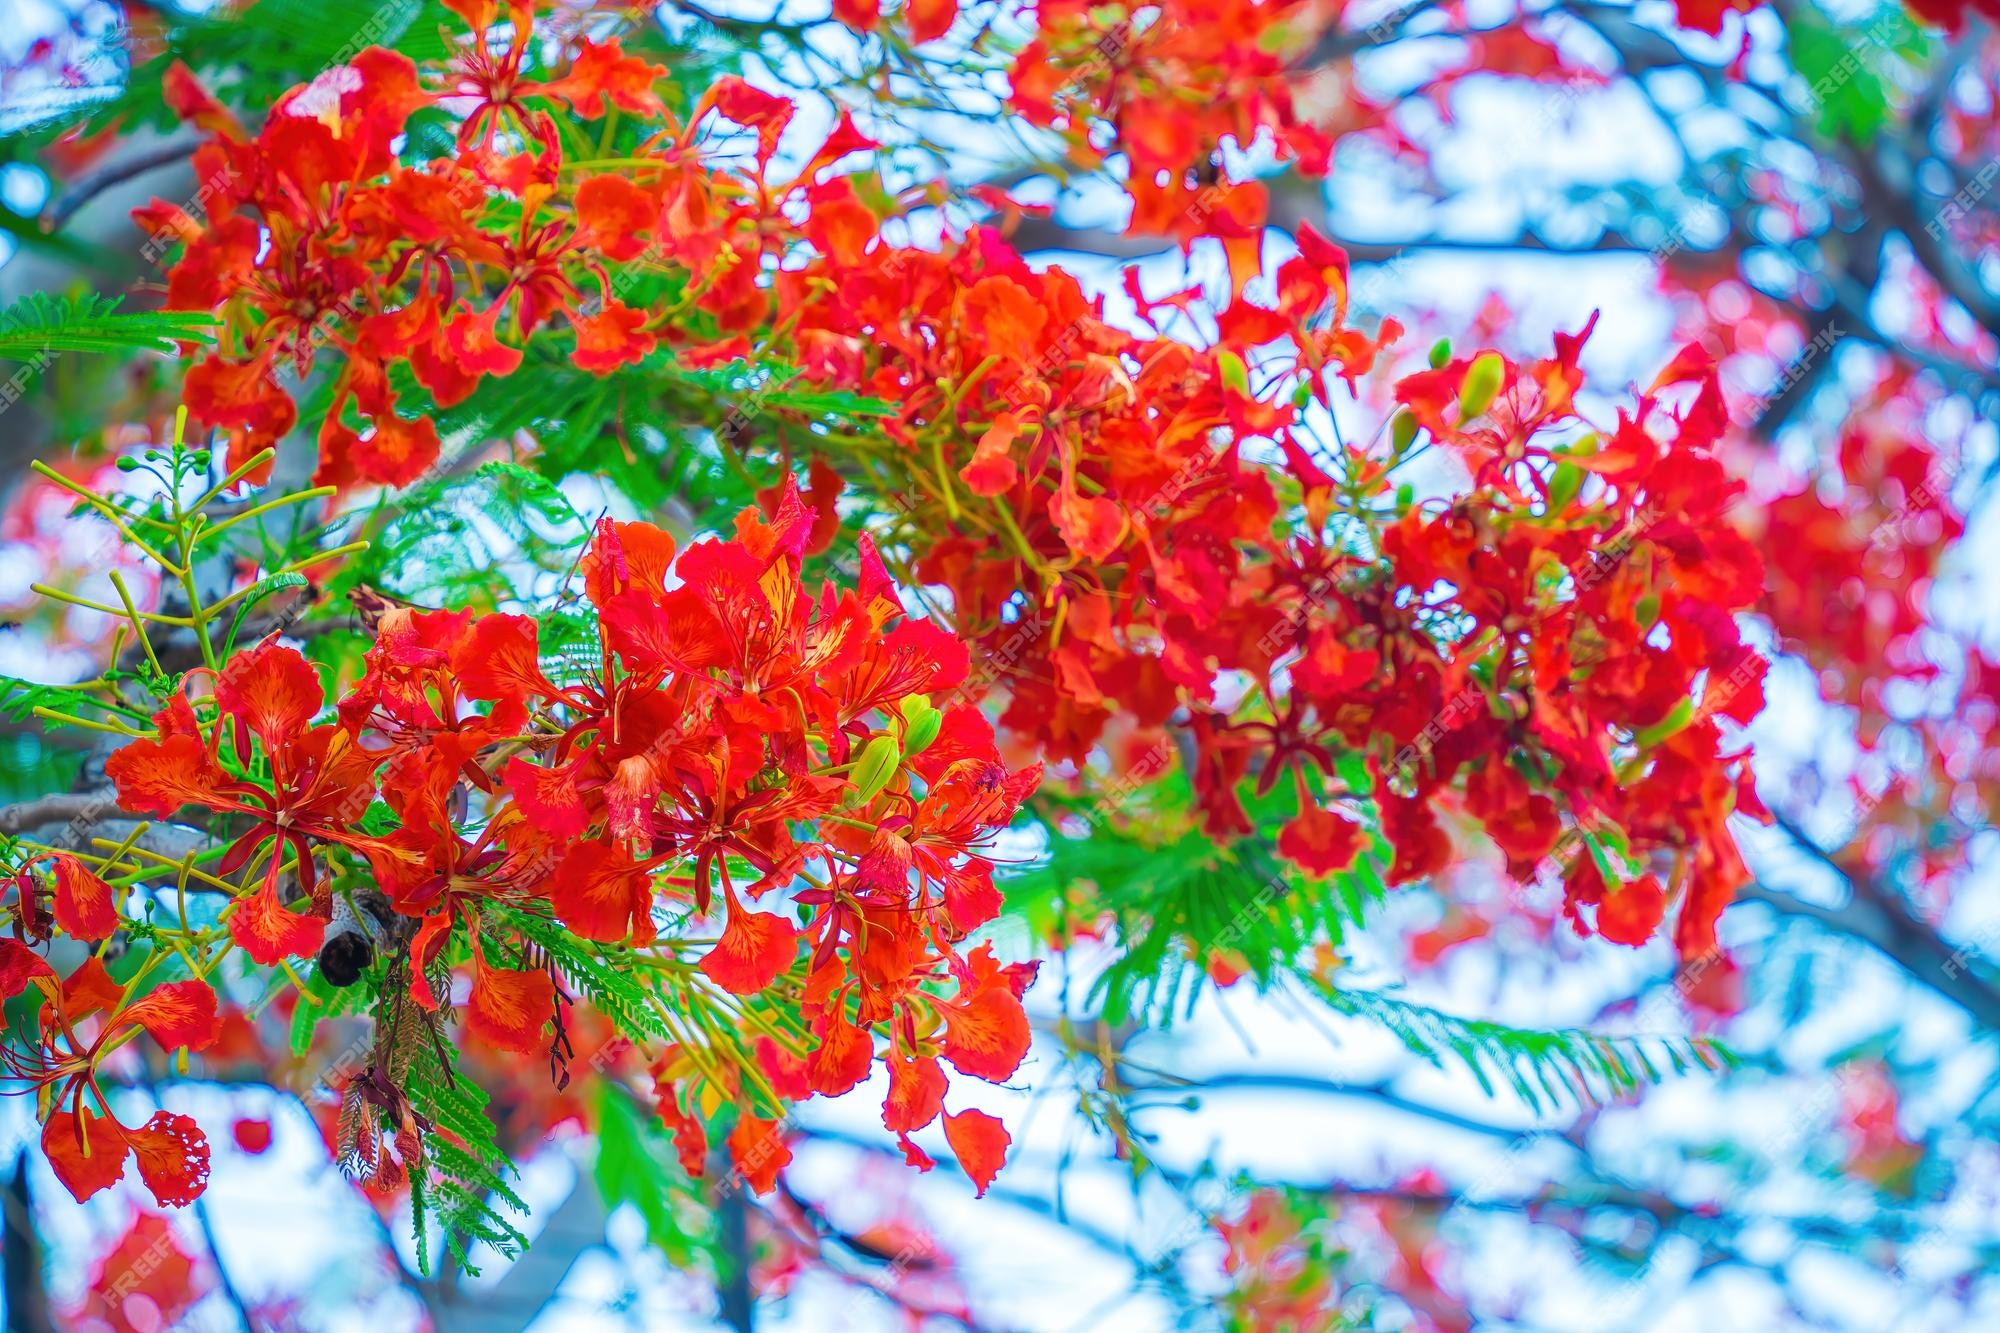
{"x": 60, "y": 808}
{"x": 1290, "y": 209}
{"x": 1876, "y": 915}
{"x": 138, "y": 164}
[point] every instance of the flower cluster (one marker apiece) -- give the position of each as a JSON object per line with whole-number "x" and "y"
{"x": 735, "y": 737}
{"x": 1172, "y": 82}
{"x": 1133, "y": 528}
{"x": 318, "y": 235}
{"x": 1128, "y": 524}
{"x": 84, "y": 1018}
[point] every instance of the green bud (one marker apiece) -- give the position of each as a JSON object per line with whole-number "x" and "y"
{"x": 128, "y": 465}
{"x": 1564, "y": 483}
{"x": 1481, "y": 383}
{"x": 1440, "y": 354}
{"x": 921, "y": 724}
{"x": 878, "y": 763}
{"x": 1403, "y": 430}
{"x": 1235, "y": 374}
{"x": 1673, "y": 722}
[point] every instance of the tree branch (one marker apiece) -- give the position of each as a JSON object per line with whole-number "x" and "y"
{"x": 1876, "y": 915}
{"x": 61, "y": 808}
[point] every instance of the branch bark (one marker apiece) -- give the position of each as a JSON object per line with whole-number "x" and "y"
{"x": 27, "y": 1296}
{"x": 60, "y": 808}
{"x": 1876, "y": 915}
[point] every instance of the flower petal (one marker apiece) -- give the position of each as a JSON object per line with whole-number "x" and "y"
{"x": 273, "y": 691}
{"x": 759, "y": 1150}
{"x": 509, "y": 1009}
{"x": 981, "y": 1142}
{"x": 85, "y": 909}
{"x": 269, "y": 932}
{"x": 501, "y": 660}
{"x": 180, "y": 1013}
{"x": 987, "y": 1035}
{"x": 19, "y": 965}
{"x": 173, "y": 1158}
{"x": 755, "y": 948}
{"x": 602, "y": 894}
{"x": 84, "y": 1167}
{"x": 842, "y": 1058}
{"x": 159, "y": 777}
{"x": 916, "y": 1094}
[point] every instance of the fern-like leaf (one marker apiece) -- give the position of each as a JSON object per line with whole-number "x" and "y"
{"x": 466, "y": 1190}
{"x": 611, "y": 992}
{"x": 1182, "y": 900}
{"x": 1546, "y": 1069}
{"x": 39, "y": 323}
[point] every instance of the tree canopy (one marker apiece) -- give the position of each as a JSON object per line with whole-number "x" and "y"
{"x": 615, "y": 583}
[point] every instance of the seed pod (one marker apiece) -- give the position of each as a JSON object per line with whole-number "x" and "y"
{"x": 344, "y": 957}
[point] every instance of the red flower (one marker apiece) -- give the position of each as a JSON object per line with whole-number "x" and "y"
{"x": 320, "y": 785}
{"x": 1322, "y": 842}
{"x": 601, "y": 893}
{"x": 753, "y": 950}
{"x": 507, "y": 1009}
{"x": 1630, "y": 913}
{"x": 843, "y": 1057}
{"x": 930, "y": 19}
{"x": 88, "y": 1147}
{"x": 916, "y": 1094}
{"x": 986, "y": 1029}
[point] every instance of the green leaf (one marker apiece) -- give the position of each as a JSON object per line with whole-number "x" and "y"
{"x": 321, "y": 1000}
{"x": 612, "y": 992}
{"x": 1178, "y": 897}
{"x": 479, "y": 537}
{"x": 1543, "y": 1068}
{"x": 266, "y": 49}
{"x": 262, "y": 589}
{"x": 468, "y": 1182}
{"x": 635, "y": 1165}
{"x": 39, "y": 324}
{"x": 1842, "y": 68}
